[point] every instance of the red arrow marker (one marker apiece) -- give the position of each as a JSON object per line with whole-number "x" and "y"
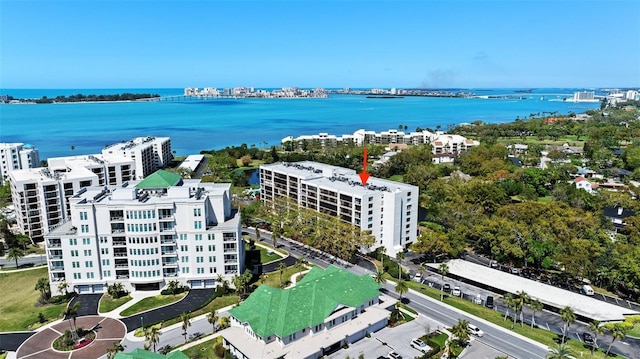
{"x": 364, "y": 176}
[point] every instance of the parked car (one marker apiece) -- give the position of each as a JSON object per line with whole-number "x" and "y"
{"x": 418, "y": 277}
{"x": 489, "y": 302}
{"x": 514, "y": 270}
{"x": 588, "y": 338}
{"x": 420, "y": 345}
{"x": 587, "y": 290}
{"x": 456, "y": 291}
{"x": 446, "y": 287}
{"x": 493, "y": 264}
{"x": 475, "y": 330}
{"x": 394, "y": 355}
{"x": 477, "y": 299}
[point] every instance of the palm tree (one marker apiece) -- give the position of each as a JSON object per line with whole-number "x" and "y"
{"x": 617, "y": 332}
{"x": 43, "y": 286}
{"x": 444, "y": 270}
{"x": 535, "y": 305}
{"x": 508, "y": 301}
{"x": 379, "y": 277}
{"x": 72, "y": 313}
{"x": 224, "y": 322}
{"x": 522, "y": 299}
{"x": 568, "y": 316}
{"x": 152, "y": 335}
{"x": 186, "y": 323}
{"x": 560, "y": 352}
{"x": 401, "y": 288}
{"x": 281, "y": 268}
{"x": 400, "y": 257}
{"x": 15, "y": 253}
{"x": 62, "y": 287}
{"x": 212, "y": 318}
{"x": 300, "y": 264}
{"x": 598, "y": 329}
{"x": 172, "y": 286}
{"x": 115, "y": 349}
{"x": 461, "y": 331}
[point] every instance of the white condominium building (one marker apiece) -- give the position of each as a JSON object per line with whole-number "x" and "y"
{"x": 16, "y": 156}
{"x": 146, "y": 233}
{"x": 388, "y": 209}
{"x": 148, "y": 153}
{"x": 41, "y": 195}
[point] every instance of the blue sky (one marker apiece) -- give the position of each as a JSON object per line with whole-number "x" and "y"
{"x": 436, "y": 43}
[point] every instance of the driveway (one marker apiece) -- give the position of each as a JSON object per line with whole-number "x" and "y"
{"x": 88, "y": 304}
{"x": 11, "y": 341}
{"x": 194, "y": 300}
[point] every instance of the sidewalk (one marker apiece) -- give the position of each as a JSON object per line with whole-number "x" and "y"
{"x": 136, "y": 296}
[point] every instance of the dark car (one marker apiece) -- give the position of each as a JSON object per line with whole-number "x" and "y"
{"x": 588, "y": 338}
{"x": 489, "y": 302}
{"x": 446, "y": 287}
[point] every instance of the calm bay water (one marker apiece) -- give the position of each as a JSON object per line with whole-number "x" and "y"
{"x": 215, "y": 124}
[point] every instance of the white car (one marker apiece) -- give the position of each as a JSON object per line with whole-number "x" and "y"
{"x": 456, "y": 291}
{"x": 420, "y": 345}
{"x": 475, "y": 330}
{"x": 418, "y": 277}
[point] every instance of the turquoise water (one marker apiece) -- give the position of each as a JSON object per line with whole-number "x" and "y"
{"x": 215, "y": 124}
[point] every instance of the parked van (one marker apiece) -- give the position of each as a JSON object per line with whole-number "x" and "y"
{"x": 489, "y": 302}
{"x": 586, "y": 289}
{"x": 475, "y": 330}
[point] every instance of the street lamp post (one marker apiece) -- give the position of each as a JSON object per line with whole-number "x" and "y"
{"x": 142, "y": 322}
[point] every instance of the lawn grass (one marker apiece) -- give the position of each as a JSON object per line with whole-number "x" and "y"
{"x": 540, "y": 335}
{"x": 107, "y": 303}
{"x": 396, "y": 178}
{"x": 216, "y": 304}
{"x": 635, "y": 332}
{"x": 440, "y": 339}
{"x": 267, "y": 254}
{"x": 273, "y": 278}
{"x": 203, "y": 350}
{"x": 151, "y": 303}
{"x": 19, "y": 298}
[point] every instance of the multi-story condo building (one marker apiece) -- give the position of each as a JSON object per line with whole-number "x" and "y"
{"x": 388, "y": 209}
{"x": 148, "y": 153}
{"x": 41, "y": 195}
{"x": 146, "y": 233}
{"x": 33, "y": 190}
{"x": 440, "y": 142}
{"x": 17, "y": 156}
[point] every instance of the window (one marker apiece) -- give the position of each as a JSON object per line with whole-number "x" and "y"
{"x": 88, "y": 264}
{"x": 84, "y": 228}
{"x": 197, "y": 212}
{"x": 87, "y": 252}
{"x": 73, "y": 241}
{"x": 104, "y": 250}
{"x": 106, "y": 273}
{"x": 77, "y": 276}
{"x": 83, "y": 216}
{"x": 184, "y": 259}
{"x": 200, "y": 270}
{"x": 184, "y": 248}
{"x": 198, "y": 237}
{"x": 212, "y": 259}
{"x": 185, "y": 269}
{"x": 89, "y": 275}
{"x": 75, "y": 264}
{"x": 212, "y": 248}
{"x": 212, "y": 236}
{"x": 105, "y": 262}
{"x": 74, "y": 253}
{"x": 86, "y": 241}
{"x": 183, "y": 237}
{"x": 199, "y": 248}
{"x": 199, "y": 259}
{"x": 197, "y": 224}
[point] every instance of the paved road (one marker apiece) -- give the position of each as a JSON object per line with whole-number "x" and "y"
{"x": 194, "y": 299}
{"x": 32, "y": 259}
{"x": 88, "y": 304}
{"x": 11, "y": 341}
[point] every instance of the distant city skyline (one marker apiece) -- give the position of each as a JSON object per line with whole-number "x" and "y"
{"x": 332, "y": 44}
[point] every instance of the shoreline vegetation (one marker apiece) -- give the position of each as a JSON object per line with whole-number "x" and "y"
{"x": 124, "y": 97}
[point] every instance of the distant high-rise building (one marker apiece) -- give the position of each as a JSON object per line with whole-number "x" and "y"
{"x": 17, "y": 156}
{"x": 148, "y": 153}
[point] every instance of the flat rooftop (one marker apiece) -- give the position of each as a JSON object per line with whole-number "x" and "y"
{"x": 337, "y": 178}
{"x": 582, "y": 305}
{"x": 192, "y": 162}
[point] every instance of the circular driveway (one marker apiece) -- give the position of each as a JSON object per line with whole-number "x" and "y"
{"x": 108, "y": 331}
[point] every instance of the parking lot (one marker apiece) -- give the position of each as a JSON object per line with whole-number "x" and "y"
{"x": 390, "y": 339}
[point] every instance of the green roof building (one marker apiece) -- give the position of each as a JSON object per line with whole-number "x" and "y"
{"x": 145, "y": 354}
{"x": 160, "y": 179}
{"x": 324, "y": 301}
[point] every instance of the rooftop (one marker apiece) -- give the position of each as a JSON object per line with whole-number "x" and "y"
{"x": 282, "y": 312}
{"x": 160, "y": 179}
{"x": 144, "y": 354}
{"x": 582, "y": 305}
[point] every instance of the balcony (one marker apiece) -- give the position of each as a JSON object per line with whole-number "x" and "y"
{"x": 169, "y": 252}
{"x": 54, "y": 245}
{"x": 117, "y": 219}
{"x": 170, "y": 264}
{"x": 230, "y": 250}
{"x": 120, "y": 254}
{"x": 119, "y": 243}
{"x": 168, "y": 241}
{"x": 122, "y": 266}
{"x": 172, "y": 274}
{"x": 56, "y": 269}
{"x": 122, "y": 276}
{"x": 117, "y": 230}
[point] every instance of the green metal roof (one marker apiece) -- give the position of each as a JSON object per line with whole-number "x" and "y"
{"x": 160, "y": 179}
{"x": 144, "y": 354}
{"x": 282, "y": 312}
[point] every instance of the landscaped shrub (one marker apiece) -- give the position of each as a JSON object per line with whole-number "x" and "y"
{"x": 219, "y": 350}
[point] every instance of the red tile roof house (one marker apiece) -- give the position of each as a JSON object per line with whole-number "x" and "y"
{"x": 327, "y": 309}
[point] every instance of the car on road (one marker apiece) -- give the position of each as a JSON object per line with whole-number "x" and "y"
{"x": 195, "y": 335}
{"x": 446, "y": 287}
{"x": 394, "y": 355}
{"x": 588, "y": 338}
{"x": 475, "y": 330}
{"x": 420, "y": 345}
{"x": 456, "y": 291}
{"x": 489, "y": 302}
